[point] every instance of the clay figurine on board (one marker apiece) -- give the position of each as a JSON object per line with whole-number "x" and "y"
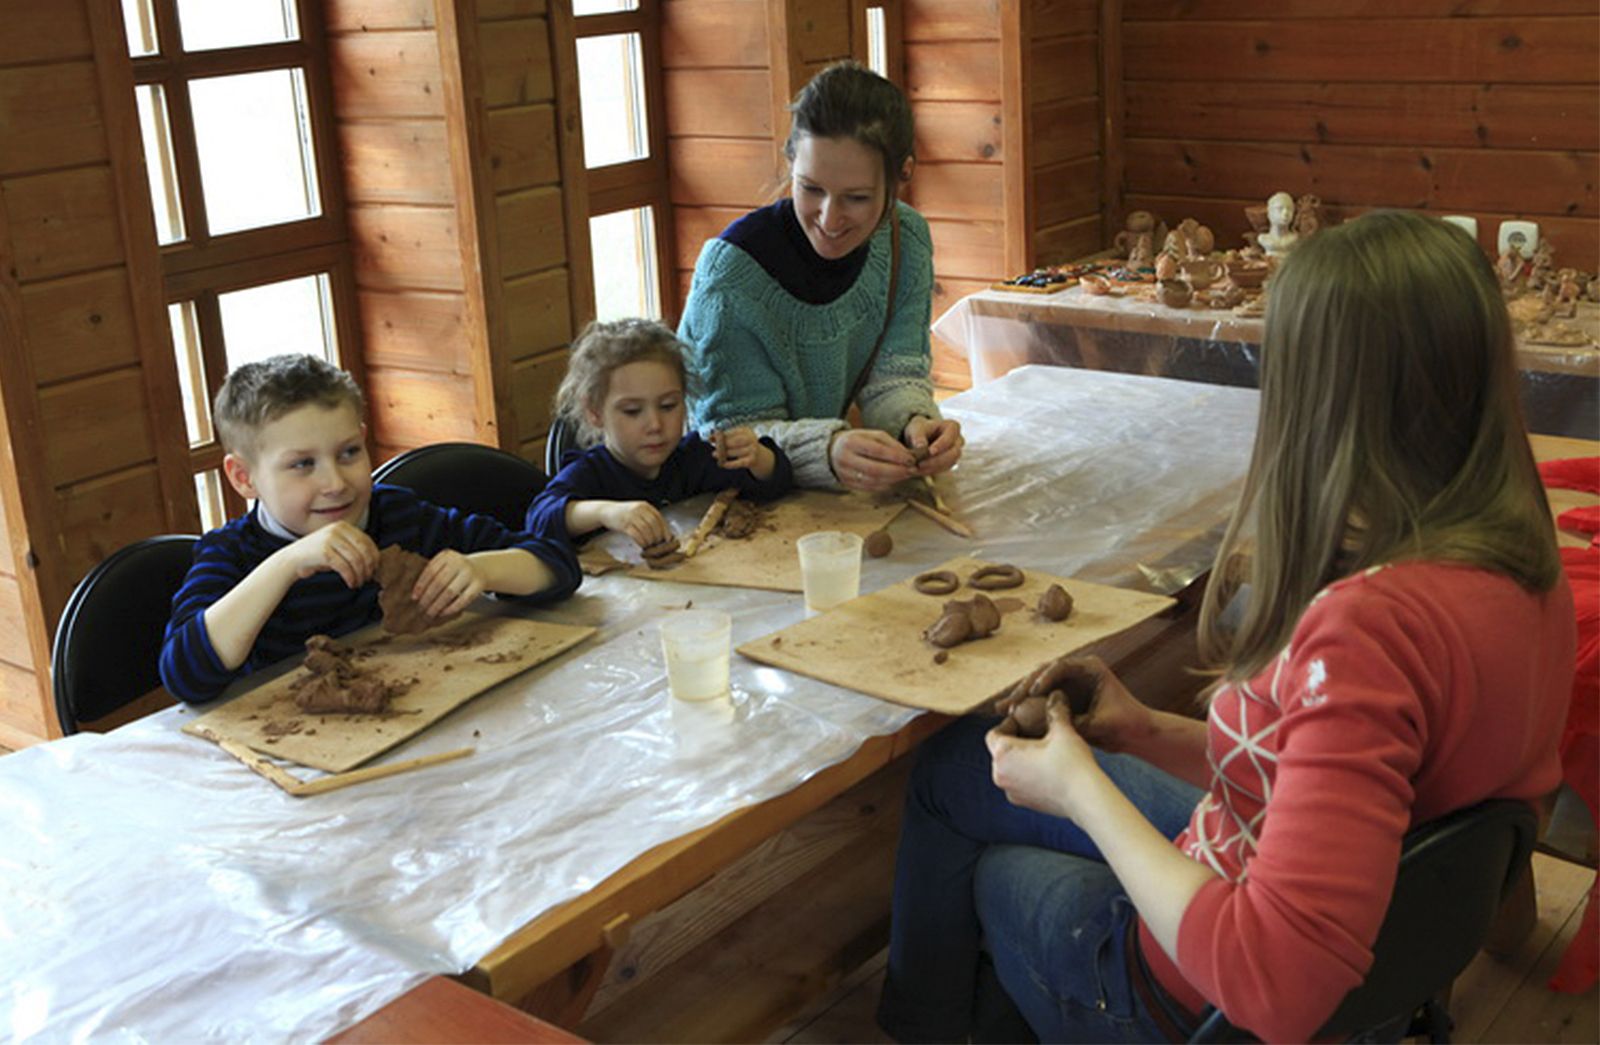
{"x": 1280, "y": 237}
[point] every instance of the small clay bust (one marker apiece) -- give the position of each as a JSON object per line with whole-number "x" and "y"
{"x": 1280, "y": 238}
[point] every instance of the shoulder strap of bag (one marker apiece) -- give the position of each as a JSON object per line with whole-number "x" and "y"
{"x": 888, "y": 313}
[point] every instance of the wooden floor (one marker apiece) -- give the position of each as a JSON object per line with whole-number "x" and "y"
{"x": 1493, "y": 1001}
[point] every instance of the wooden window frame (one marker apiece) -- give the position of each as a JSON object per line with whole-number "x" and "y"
{"x": 200, "y": 267}
{"x": 644, "y": 182}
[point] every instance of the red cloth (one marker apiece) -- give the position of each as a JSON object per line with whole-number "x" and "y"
{"x": 1580, "y": 741}
{"x": 1405, "y": 693}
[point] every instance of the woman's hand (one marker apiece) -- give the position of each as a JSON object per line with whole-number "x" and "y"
{"x": 638, "y": 519}
{"x": 869, "y": 460}
{"x": 936, "y": 444}
{"x": 1048, "y": 774}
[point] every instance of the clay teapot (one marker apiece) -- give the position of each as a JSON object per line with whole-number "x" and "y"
{"x": 1202, "y": 272}
{"x": 1174, "y": 293}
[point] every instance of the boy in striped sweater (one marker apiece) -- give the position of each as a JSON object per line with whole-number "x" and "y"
{"x": 302, "y": 560}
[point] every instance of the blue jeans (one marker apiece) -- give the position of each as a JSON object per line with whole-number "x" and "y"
{"x": 976, "y": 874}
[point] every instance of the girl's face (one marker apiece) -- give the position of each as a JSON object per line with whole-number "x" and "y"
{"x": 838, "y": 193}
{"x": 642, "y": 415}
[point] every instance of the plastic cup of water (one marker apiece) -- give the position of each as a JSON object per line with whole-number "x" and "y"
{"x": 696, "y": 644}
{"x": 830, "y": 568}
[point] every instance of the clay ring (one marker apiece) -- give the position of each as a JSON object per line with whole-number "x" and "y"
{"x": 939, "y": 582}
{"x": 995, "y": 578}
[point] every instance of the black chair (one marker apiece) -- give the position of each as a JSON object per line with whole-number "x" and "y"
{"x": 562, "y": 438}
{"x": 107, "y": 648}
{"x": 472, "y": 477}
{"x": 1454, "y": 874}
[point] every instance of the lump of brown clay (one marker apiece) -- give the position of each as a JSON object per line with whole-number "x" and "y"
{"x": 996, "y": 577}
{"x": 336, "y": 685}
{"x": 1032, "y": 716}
{"x": 397, "y": 574}
{"x": 740, "y": 520}
{"x": 937, "y": 582}
{"x": 1055, "y": 603}
{"x": 985, "y": 616}
{"x": 879, "y": 543}
{"x": 953, "y": 627}
{"x": 662, "y": 554}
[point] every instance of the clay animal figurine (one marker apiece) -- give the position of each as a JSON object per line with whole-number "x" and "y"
{"x": 1174, "y": 293}
{"x": 1280, "y": 237}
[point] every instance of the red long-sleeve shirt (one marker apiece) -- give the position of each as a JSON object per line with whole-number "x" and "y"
{"x": 1405, "y": 693}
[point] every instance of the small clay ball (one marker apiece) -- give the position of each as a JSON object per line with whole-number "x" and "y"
{"x": 1031, "y": 714}
{"x": 879, "y": 543}
{"x": 942, "y": 656}
{"x": 1055, "y": 603}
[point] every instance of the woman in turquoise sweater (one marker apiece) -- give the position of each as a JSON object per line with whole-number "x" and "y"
{"x": 788, "y": 315}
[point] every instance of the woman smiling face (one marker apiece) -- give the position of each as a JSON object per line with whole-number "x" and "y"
{"x": 838, "y": 193}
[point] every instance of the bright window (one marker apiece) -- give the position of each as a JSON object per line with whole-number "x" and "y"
{"x": 210, "y": 25}
{"x": 611, "y": 84}
{"x": 625, "y": 280}
{"x": 253, "y": 136}
{"x": 295, "y": 315}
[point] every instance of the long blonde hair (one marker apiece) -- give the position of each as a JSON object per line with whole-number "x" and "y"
{"x": 1390, "y": 429}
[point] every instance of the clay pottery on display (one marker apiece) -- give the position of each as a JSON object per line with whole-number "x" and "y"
{"x": 1247, "y": 275}
{"x": 1175, "y": 293}
{"x": 1202, "y": 272}
{"x": 1166, "y": 266}
{"x": 1096, "y": 285}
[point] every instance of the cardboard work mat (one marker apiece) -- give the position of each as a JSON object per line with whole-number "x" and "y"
{"x": 874, "y": 644}
{"x": 767, "y": 558}
{"x": 452, "y": 664}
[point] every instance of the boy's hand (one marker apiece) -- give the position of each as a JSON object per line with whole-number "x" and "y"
{"x": 447, "y": 585}
{"x": 638, "y": 519}
{"x": 736, "y": 448}
{"x": 340, "y": 547}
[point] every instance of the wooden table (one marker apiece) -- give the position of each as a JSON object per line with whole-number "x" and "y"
{"x": 443, "y": 1012}
{"x": 1000, "y": 330}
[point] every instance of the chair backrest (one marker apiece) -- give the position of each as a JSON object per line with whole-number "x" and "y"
{"x": 107, "y": 647}
{"x": 1455, "y": 872}
{"x": 561, "y": 439}
{"x": 474, "y": 478}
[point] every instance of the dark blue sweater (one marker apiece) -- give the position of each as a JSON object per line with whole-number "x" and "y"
{"x": 321, "y": 604}
{"x": 594, "y": 475}
{"x": 773, "y": 238}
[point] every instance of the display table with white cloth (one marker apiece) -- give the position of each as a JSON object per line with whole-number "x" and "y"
{"x": 152, "y": 888}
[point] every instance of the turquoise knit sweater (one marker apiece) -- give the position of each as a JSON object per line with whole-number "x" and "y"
{"x": 765, "y": 359}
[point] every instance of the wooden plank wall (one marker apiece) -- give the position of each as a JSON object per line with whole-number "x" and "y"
{"x": 423, "y": 350}
{"x": 1482, "y": 107}
{"x": 953, "y": 59}
{"x": 460, "y": 224}
{"x": 1063, "y": 163}
{"x": 92, "y": 422}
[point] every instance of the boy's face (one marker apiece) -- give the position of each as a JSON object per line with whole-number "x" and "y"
{"x": 642, "y": 415}
{"x": 309, "y": 467}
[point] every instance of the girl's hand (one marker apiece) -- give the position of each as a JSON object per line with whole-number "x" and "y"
{"x": 736, "y": 448}
{"x": 638, "y": 519}
{"x": 869, "y": 460}
{"x": 1107, "y": 715}
{"x": 1046, "y": 774}
{"x": 935, "y": 444}
{"x": 447, "y": 585}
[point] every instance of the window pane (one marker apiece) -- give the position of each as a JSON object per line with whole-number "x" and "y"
{"x": 611, "y": 95}
{"x": 140, "y": 25}
{"x": 877, "y": 42}
{"x": 624, "y": 248}
{"x": 191, "y": 371}
{"x": 208, "y": 493}
{"x": 209, "y": 24}
{"x": 293, "y": 316}
{"x": 253, "y": 132}
{"x": 158, "y": 163}
{"x": 602, "y": 7}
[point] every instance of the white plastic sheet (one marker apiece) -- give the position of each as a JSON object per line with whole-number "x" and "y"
{"x": 153, "y": 889}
